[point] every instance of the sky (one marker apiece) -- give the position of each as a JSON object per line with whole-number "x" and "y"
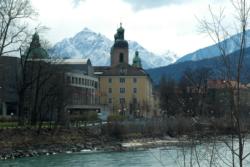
{"x": 158, "y": 25}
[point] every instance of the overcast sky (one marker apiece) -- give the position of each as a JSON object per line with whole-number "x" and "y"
{"x": 158, "y": 25}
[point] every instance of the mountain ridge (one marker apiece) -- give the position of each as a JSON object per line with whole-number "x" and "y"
{"x": 176, "y": 70}
{"x": 230, "y": 45}
{"x": 96, "y": 47}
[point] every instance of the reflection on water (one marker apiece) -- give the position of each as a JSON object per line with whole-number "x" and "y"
{"x": 111, "y": 159}
{"x": 205, "y": 154}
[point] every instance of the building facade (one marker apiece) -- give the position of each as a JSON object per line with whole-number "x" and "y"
{"x": 79, "y": 78}
{"x": 48, "y": 85}
{"x": 9, "y": 76}
{"x": 73, "y": 78}
{"x": 125, "y": 89}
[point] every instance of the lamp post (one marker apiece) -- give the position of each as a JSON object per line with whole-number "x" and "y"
{"x": 124, "y": 111}
{"x": 68, "y": 118}
{"x": 138, "y": 113}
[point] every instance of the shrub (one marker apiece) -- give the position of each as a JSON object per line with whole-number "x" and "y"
{"x": 115, "y": 117}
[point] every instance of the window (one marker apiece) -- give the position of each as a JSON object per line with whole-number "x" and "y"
{"x": 110, "y": 80}
{"x": 73, "y": 80}
{"x": 134, "y": 100}
{"x": 110, "y": 100}
{"x": 122, "y": 90}
{"x": 122, "y": 80}
{"x": 121, "y": 58}
{"x": 110, "y": 90}
{"x": 68, "y": 79}
{"x": 83, "y": 81}
{"x": 134, "y": 80}
{"x": 123, "y": 71}
{"x": 79, "y": 81}
{"x": 134, "y": 90}
{"x": 122, "y": 100}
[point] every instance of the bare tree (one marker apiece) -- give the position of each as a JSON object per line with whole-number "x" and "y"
{"x": 14, "y": 31}
{"x": 168, "y": 97}
{"x": 215, "y": 28}
{"x": 193, "y": 85}
{"x": 42, "y": 88}
{"x": 13, "y": 28}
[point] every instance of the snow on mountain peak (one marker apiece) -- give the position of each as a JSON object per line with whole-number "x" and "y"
{"x": 230, "y": 45}
{"x": 86, "y": 29}
{"x": 96, "y": 47}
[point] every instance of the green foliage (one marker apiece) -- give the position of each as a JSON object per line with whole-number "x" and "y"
{"x": 8, "y": 124}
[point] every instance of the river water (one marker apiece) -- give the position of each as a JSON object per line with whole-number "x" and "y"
{"x": 206, "y": 154}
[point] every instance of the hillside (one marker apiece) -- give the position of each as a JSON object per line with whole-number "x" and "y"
{"x": 175, "y": 71}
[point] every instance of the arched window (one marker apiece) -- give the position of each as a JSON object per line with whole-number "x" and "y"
{"x": 121, "y": 58}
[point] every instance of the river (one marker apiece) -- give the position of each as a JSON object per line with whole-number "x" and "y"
{"x": 144, "y": 158}
{"x": 155, "y": 157}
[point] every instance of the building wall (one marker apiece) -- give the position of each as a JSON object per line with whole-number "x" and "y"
{"x": 75, "y": 82}
{"x": 83, "y": 88}
{"x": 9, "y": 75}
{"x": 143, "y": 93}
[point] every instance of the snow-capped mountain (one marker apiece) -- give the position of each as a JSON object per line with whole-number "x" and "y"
{"x": 149, "y": 59}
{"x": 96, "y": 47}
{"x": 231, "y": 45}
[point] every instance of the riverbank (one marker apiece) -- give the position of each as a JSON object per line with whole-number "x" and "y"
{"x": 18, "y": 143}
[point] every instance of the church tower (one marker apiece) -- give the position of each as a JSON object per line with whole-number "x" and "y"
{"x": 119, "y": 50}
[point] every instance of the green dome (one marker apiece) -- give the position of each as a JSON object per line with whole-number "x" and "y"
{"x": 137, "y": 60}
{"x": 120, "y": 33}
{"x": 120, "y": 29}
{"x": 119, "y": 39}
{"x": 35, "y": 51}
{"x": 38, "y": 53}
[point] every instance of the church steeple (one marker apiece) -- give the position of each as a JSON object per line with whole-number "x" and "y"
{"x": 137, "y": 60}
{"x": 119, "y": 50}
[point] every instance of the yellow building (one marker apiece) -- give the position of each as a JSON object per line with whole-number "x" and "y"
{"x": 123, "y": 88}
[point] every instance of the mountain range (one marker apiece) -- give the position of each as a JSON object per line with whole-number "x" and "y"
{"x": 215, "y": 64}
{"x": 208, "y": 57}
{"x": 230, "y": 44}
{"x": 96, "y": 47}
